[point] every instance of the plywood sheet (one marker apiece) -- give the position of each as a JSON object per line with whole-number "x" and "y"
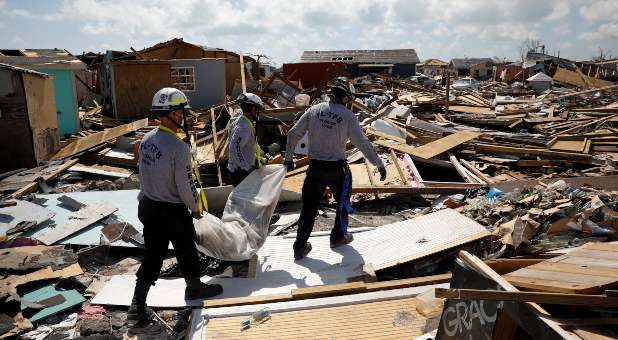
{"x": 77, "y": 221}
{"x": 444, "y": 144}
{"x": 572, "y": 78}
{"x": 90, "y": 141}
{"x": 569, "y": 145}
{"x": 391, "y": 319}
{"x": 585, "y": 270}
{"x": 414, "y": 239}
{"x": 23, "y": 211}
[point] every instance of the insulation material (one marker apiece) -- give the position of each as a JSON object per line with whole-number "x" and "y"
{"x": 243, "y": 228}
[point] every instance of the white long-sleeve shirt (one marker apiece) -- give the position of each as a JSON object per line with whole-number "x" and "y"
{"x": 165, "y": 169}
{"x": 241, "y": 145}
{"x": 329, "y": 126}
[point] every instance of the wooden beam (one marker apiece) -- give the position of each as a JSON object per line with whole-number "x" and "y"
{"x": 509, "y": 150}
{"x": 537, "y": 297}
{"x": 33, "y": 186}
{"x": 482, "y": 268}
{"x": 214, "y": 144}
{"x": 242, "y": 73}
{"x": 370, "y": 175}
{"x": 90, "y": 141}
{"x": 403, "y": 177}
{"x": 476, "y": 171}
{"x": 340, "y": 289}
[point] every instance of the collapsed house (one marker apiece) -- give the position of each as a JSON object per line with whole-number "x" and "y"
{"x": 462, "y": 66}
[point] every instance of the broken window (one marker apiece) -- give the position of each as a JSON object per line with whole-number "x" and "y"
{"x": 183, "y": 78}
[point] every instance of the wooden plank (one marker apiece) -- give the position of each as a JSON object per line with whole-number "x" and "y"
{"x": 214, "y": 144}
{"x": 577, "y": 274}
{"x": 509, "y": 150}
{"x": 469, "y": 109}
{"x": 370, "y": 175}
{"x": 537, "y": 310}
{"x": 569, "y": 145}
{"x": 32, "y": 187}
{"x": 537, "y": 297}
{"x": 90, "y": 141}
{"x": 442, "y": 145}
{"x": 329, "y": 290}
{"x": 476, "y": 171}
{"x": 403, "y": 177}
{"x": 461, "y": 170}
{"x": 84, "y": 217}
{"x": 104, "y": 170}
{"x": 242, "y": 73}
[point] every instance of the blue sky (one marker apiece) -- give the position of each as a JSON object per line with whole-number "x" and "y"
{"x": 282, "y": 29}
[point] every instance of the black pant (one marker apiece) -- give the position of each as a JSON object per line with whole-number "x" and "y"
{"x": 238, "y": 176}
{"x": 164, "y": 222}
{"x": 320, "y": 175}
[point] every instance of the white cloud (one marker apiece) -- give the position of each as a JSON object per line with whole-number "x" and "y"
{"x": 605, "y": 31}
{"x": 560, "y": 10}
{"x": 604, "y": 10}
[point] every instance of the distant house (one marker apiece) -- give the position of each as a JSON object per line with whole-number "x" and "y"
{"x": 397, "y": 63}
{"x": 314, "y": 74}
{"x": 28, "y": 125}
{"x": 180, "y": 49}
{"x": 461, "y": 66}
{"x": 64, "y": 68}
{"x": 432, "y": 67}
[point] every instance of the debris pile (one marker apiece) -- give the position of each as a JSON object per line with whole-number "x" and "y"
{"x": 514, "y": 176}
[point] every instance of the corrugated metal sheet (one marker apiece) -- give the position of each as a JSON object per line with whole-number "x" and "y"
{"x": 398, "y": 56}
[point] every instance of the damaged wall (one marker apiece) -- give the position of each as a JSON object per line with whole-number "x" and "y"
{"x": 28, "y": 126}
{"x": 209, "y": 78}
{"x": 134, "y": 84}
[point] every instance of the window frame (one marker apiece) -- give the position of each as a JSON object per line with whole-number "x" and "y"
{"x": 175, "y": 77}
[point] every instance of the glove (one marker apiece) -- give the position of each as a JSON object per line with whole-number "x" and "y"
{"x": 382, "y": 171}
{"x": 289, "y": 165}
{"x": 196, "y": 215}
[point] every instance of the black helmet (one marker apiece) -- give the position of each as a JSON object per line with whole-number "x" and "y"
{"x": 340, "y": 89}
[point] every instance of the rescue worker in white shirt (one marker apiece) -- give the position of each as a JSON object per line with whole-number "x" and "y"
{"x": 329, "y": 126}
{"x": 245, "y": 154}
{"x": 168, "y": 201}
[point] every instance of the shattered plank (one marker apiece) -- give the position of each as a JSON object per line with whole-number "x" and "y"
{"x": 90, "y": 141}
{"x": 79, "y": 220}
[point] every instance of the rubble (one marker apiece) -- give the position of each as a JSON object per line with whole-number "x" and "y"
{"x": 515, "y": 177}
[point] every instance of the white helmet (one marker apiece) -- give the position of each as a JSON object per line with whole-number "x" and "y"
{"x": 250, "y": 99}
{"x": 168, "y": 99}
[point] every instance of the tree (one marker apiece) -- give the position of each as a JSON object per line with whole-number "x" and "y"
{"x": 603, "y": 54}
{"x": 529, "y": 45}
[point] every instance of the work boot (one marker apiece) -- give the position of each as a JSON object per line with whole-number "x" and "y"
{"x": 139, "y": 311}
{"x": 198, "y": 290}
{"x": 301, "y": 254}
{"x": 347, "y": 238}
